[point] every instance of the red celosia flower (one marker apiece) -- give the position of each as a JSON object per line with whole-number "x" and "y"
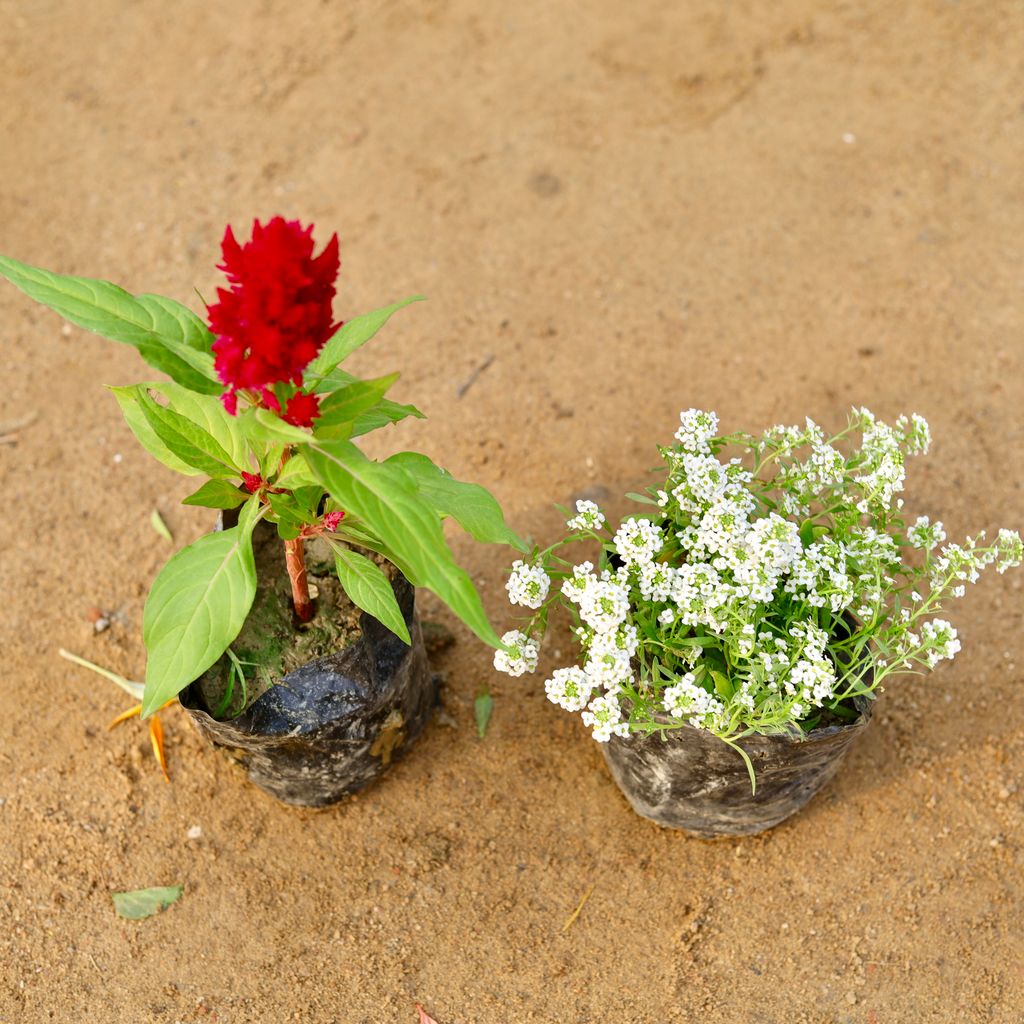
{"x": 332, "y": 520}
{"x": 253, "y": 481}
{"x": 276, "y": 316}
{"x": 302, "y": 409}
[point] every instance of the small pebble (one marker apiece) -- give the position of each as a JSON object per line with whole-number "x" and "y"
{"x": 849, "y": 138}
{"x": 851, "y": 998}
{"x": 101, "y": 624}
{"x": 195, "y": 832}
{"x": 118, "y": 457}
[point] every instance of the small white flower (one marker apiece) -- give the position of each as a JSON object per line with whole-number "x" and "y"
{"x": 926, "y": 534}
{"x": 604, "y": 605}
{"x": 528, "y": 585}
{"x": 522, "y": 656}
{"x": 569, "y": 688}
{"x": 604, "y": 716}
{"x": 696, "y": 429}
{"x": 588, "y": 517}
{"x": 637, "y": 541}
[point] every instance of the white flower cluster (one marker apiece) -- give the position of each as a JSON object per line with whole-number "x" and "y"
{"x": 588, "y": 517}
{"x": 756, "y": 590}
{"x": 926, "y": 534}
{"x": 686, "y": 699}
{"x": 527, "y": 585}
{"x": 939, "y": 640}
{"x": 522, "y": 654}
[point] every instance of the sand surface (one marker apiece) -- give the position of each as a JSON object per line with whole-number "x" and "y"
{"x": 771, "y": 210}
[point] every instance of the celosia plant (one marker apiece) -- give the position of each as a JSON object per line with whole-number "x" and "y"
{"x": 257, "y": 403}
{"x": 760, "y": 593}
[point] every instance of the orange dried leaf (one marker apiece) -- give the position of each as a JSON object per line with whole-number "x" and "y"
{"x": 156, "y": 736}
{"x": 425, "y": 1017}
{"x": 125, "y": 715}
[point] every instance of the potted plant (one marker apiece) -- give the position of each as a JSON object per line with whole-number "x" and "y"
{"x": 734, "y": 633}
{"x": 290, "y": 632}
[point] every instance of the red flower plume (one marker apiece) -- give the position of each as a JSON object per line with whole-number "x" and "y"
{"x": 276, "y": 316}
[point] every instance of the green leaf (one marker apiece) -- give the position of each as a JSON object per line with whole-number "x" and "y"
{"x": 190, "y": 442}
{"x": 217, "y": 494}
{"x": 209, "y": 413}
{"x": 644, "y": 499}
{"x": 289, "y": 517}
{"x": 385, "y": 497}
{"x": 380, "y": 415}
{"x": 482, "y": 707}
{"x": 296, "y": 473}
{"x": 171, "y": 338}
{"x": 356, "y": 333}
{"x": 341, "y": 407}
{"x": 470, "y": 505}
{"x": 197, "y": 606}
{"x": 723, "y": 687}
{"x": 158, "y": 524}
{"x": 330, "y": 382}
{"x": 131, "y": 407}
{"x": 264, "y": 425}
{"x": 369, "y": 588}
{"x": 142, "y": 903}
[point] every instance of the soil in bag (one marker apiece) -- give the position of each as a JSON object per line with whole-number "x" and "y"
{"x": 318, "y": 710}
{"x": 693, "y": 781}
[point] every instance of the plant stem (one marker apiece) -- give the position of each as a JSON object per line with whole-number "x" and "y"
{"x": 295, "y": 560}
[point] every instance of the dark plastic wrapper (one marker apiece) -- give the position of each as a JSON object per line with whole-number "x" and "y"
{"x": 335, "y": 724}
{"x": 693, "y": 781}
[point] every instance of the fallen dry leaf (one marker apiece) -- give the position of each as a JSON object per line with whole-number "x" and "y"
{"x": 425, "y": 1017}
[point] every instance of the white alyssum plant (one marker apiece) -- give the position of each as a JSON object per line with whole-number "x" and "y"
{"x": 761, "y": 592}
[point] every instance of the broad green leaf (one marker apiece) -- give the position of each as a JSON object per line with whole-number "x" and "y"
{"x": 332, "y": 381}
{"x": 217, "y": 494}
{"x": 209, "y": 413}
{"x": 264, "y": 425}
{"x": 187, "y": 440}
{"x": 356, "y": 333}
{"x": 482, "y": 707}
{"x": 197, "y": 606}
{"x": 380, "y": 415}
{"x": 142, "y": 903}
{"x": 368, "y": 588}
{"x": 296, "y": 473}
{"x": 470, "y": 505}
{"x": 169, "y": 337}
{"x": 131, "y": 406}
{"x": 385, "y": 498}
{"x": 340, "y": 407}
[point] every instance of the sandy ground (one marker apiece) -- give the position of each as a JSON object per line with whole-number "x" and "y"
{"x": 768, "y": 209}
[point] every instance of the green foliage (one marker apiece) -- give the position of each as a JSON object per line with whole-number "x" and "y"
{"x": 353, "y": 335}
{"x": 385, "y": 498}
{"x": 340, "y": 408}
{"x": 169, "y": 337}
{"x": 482, "y": 708}
{"x": 142, "y": 903}
{"x": 196, "y": 608}
{"x": 217, "y": 494}
{"x": 470, "y": 505}
{"x": 369, "y": 589}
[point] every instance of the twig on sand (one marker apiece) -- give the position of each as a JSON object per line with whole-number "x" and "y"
{"x": 576, "y": 913}
{"x": 9, "y": 431}
{"x": 472, "y": 378}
